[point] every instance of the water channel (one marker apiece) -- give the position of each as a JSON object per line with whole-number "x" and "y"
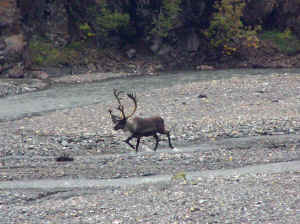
{"x": 76, "y": 95}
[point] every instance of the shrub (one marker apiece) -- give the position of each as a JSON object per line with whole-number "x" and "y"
{"x": 226, "y": 29}
{"x": 43, "y": 53}
{"x": 111, "y": 21}
{"x": 104, "y": 21}
{"x": 167, "y": 18}
{"x": 286, "y": 41}
{"x": 86, "y": 29}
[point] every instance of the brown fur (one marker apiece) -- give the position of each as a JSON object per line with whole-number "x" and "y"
{"x": 139, "y": 127}
{"x": 143, "y": 127}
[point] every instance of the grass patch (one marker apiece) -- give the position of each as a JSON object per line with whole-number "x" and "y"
{"x": 45, "y": 54}
{"x": 286, "y": 41}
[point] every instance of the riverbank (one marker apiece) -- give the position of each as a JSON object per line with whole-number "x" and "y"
{"x": 197, "y": 112}
{"x": 222, "y": 112}
{"x": 261, "y": 198}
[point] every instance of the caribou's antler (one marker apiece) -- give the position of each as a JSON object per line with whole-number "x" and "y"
{"x": 132, "y": 96}
{"x": 117, "y": 95}
{"x": 121, "y": 109}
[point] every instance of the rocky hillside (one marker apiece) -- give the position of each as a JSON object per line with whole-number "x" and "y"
{"x": 146, "y": 36}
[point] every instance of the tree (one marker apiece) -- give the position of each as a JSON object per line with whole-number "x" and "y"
{"x": 226, "y": 28}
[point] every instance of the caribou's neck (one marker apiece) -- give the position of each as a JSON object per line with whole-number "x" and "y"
{"x": 130, "y": 126}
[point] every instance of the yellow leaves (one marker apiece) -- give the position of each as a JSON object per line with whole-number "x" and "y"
{"x": 227, "y": 28}
{"x": 90, "y": 34}
{"x": 252, "y": 41}
{"x": 228, "y": 50}
{"x": 287, "y": 34}
{"x": 180, "y": 175}
{"x": 194, "y": 209}
{"x": 84, "y": 27}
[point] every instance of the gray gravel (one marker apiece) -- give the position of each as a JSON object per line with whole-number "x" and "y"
{"x": 235, "y": 107}
{"x": 220, "y": 112}
{"x": 19, "y": 86}
{"x": 261, "y": 198}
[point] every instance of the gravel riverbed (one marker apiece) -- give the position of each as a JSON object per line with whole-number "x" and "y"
{"x": 272, "y": 198}
{"x": 214, "y": 112}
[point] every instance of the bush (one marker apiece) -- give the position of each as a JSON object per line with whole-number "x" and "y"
{"x": 167, "y": 18}
{"x": 111, "y": 21}
{"x": 226, "y": 29}
{"x": 43, "y": 53}
{"x": 104, "y": 21}
{"x": 286, "y": 41}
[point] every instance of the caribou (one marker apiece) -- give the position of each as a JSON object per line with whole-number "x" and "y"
{"x": 138, "y": 127}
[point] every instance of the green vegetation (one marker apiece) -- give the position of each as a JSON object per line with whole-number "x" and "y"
{"x": 226, "y": 29}
{"x": 100, "y": 26}
{"x": 167, "y": 18}
{"x": 44, "y": 53}
{"x": 111, "y": 21}
{"x": 286, "y": 41}
{"x": 86, "y": 29}
{"x": 104, "y": 21}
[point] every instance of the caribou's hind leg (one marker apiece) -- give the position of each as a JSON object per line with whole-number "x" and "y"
{"x": 169, "y": 139}
{"x": 167, "y": 133}
{"x": 157, "y": 140}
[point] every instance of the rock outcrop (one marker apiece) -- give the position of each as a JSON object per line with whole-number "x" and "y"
{"x": 12, "y": 40}
{"x": 63, "y": 34}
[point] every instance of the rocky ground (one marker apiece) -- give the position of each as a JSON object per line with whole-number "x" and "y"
{"x": 213, "y": 112}
{"x": 244, "y": 199}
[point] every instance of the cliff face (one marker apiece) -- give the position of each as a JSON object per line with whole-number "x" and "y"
{"x": 37, "y": 33}
{"x": 12, "y": 39}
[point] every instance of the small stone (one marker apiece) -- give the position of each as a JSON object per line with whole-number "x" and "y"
{"x": 201, "y": 96}
{"x": 16, "y": 72}
{"x": 64, "y": 143}
{"x": 39, "y": 75}
{"x": 205, "y": 67}
{"x": 131, "y": 53}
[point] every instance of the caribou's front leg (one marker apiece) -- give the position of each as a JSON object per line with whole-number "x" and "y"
{"x": 157, "y": 140}
{"x": 137, "y": 144}
{"x": 128, "y": 141}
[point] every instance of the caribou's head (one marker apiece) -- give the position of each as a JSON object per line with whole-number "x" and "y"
{"x": 121, "y": 122}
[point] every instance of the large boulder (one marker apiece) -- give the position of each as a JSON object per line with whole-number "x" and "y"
{"x": 192, "y": 41}
{"x": 9, "y": 14}
{"x": 49, "y": 19}
{"x": 274, "y": 14}
{"x": 57, "y": 24}
{"x": 257, "y": 11}
{"x": 288, "y": 15}
{"x": 12, "y": 41}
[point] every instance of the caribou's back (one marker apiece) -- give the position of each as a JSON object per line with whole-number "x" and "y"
{"x": 149, "y": 125}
